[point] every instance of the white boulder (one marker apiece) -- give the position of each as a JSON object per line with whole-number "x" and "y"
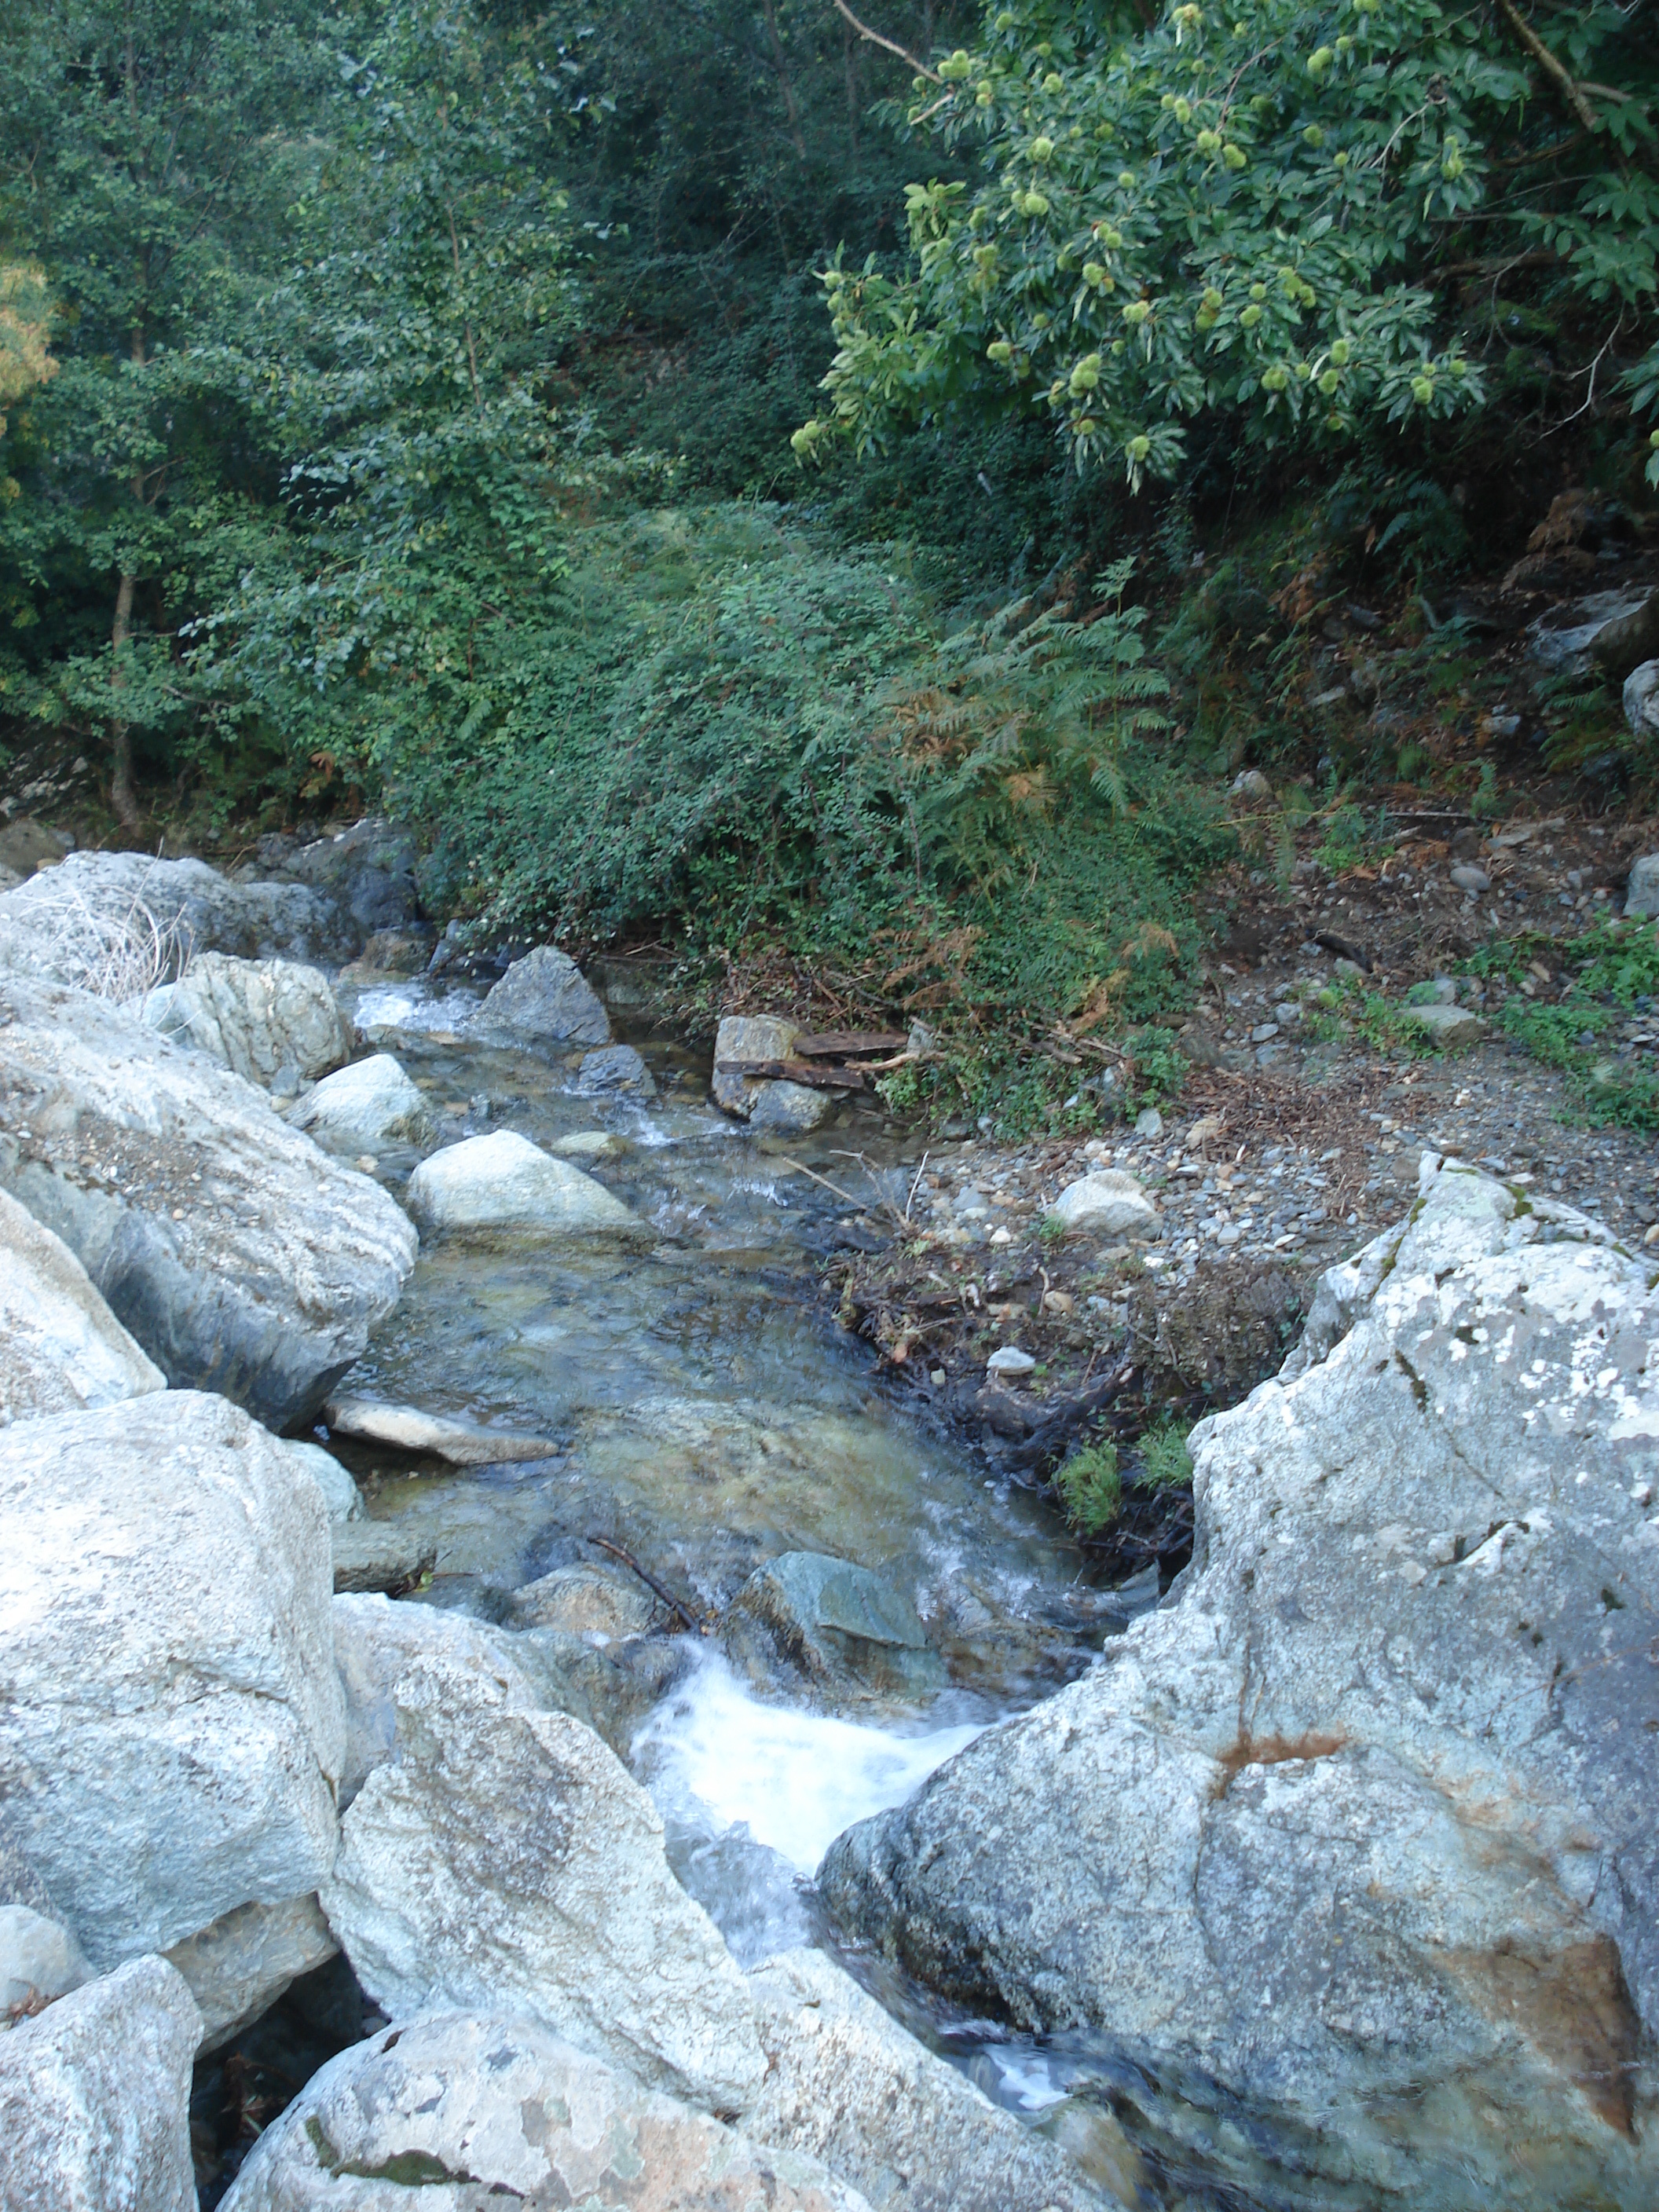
{"x": 1449, "y": 1026}
{"x": 61, "y": 1348}
{"x": 1108, "y": 1202}
{"x": 1641, "y": 699}
{"x": 370, "y": 1103}
{"x": 241, "y": 1257}
{"x": 94, "y": 2098}
{"x": 170, "y": 1722}
{"x": 463, "y": 1444}
{"x": 39, "y": 1959}
{"x": 509, "y": 1861}
{"x": 503, "y": 1181}
{"x": 272, "y": 1022}
{"x": 1642, "y": 892}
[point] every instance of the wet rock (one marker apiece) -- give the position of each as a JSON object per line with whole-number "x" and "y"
{"x": 1108, "y": 1202}
{"x": 843, "y": 1627}
{"x": 1363, "y": 1823}
{"x": 1642, "y": 892}
{"x": 342, "y": 1499}
{"x": 273, "y": 1021}
{"x": 1449, "y": 1025}
{"x": 460, "y": 1443}
{"x": 379, "y": 1556}
{"x": 492, "y": 2106}
{"x": 543, "y": 998}
{"x": 789, "y": 1109}
{"x": 172, "y": 1726}
{"x": 94, "y": 2098}
{"x": 589, "y": 1600}
{"x": 845, "y": 2084}
{"x": 39, "y": 1960}
{"x": 509, "y": 1861}
{"x": 366, "y": 876}
{"x": 588, "y": 1144}
{"x": 371, "y": 1102}
{"x": 766, "y": 1103}
{"x": 615, "y": 1068}
{"x": 239, "y": 1257}
{"x": 238, "y": 1968}
{"x": 61, "y": 1348}
{"x": 503, "y": 1181}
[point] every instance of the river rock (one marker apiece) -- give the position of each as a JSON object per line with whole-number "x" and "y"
{"x": 61, "y": 1348}
{"x": 171, "y": 1722}
{"x": 766, "y": 1103}
{"x": 509, "y": 1861}
{"x": 543, "y": 998}
{"x": 615, "y": 1068}
{"x": 460, "y": 1443}
{"x": 503, "y": 1181}
{"x": 26, "y": 845}
{"x": 39, "y": 1959}
{"x": 845, "y": 1628}
{"x": 1642, "y": 891}
{"x": 359, "y": 1107}
{"x": 342, "y": 1499}
{"x": 365, "y": 875}
{"x": 1360, "y": 1831}
{"x": 241, "y": 1257}
{"x": 274, "y": 1022}
{"x": 94, "y": 2098}
{"x": 492, "y": 2108}
{"x": 1109, "y": 1202}
{"x": 585, "y": 1599}
{"x": 239, "y": 1967}
{"x": 847, "y": 2084}
{"x": 789, "y": 1110}
{"x": 1451, "y": 1026}
{"x": 588, "y": 1144}
{"x": 383, "y": 1556}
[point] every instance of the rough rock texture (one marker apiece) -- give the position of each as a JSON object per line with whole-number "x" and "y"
{"x": 1642, "y": 892}
{"x": 509, "y": 1860}
{"x": 241, "y": 1258}
{"x": 460, "y": 1443}
{"x": 480, "y": 2110}
{"x": 380, "y": 1555}
{"x": 1109, "y": 1201}
{"x": 503, "y": 1181}
{"x": 615, "y": 1067}
{"x": 195, "y": 907}
{"x": 26, "y": 845}
{"x": 1364, "y": 1829}
{"x": 171, "y": 1723}
{"x": 847, "y": 2084}
{"x": 789, "y": 1109}
{"x": 273, "y": 1021}
{"x": 543, "y": 998}
{"x": 342, "y": 1499}
{"x": 845, "y": 1628}
{"x": 1641, "y": 699}
{"x": 1449, "y": 1025}
{"x": 767, "y": 1103}
{"x": 1567, "y": 637}
{"x": 240, "y": 1966}
{"x": 39, "y": 1959}
{"x": 364, "y": 876}
{"x": 61, "y": 1348}
{"x": 589, "y": 1600}
{"x": 371, "y": 1102}
{"x": 94, "y": 2098}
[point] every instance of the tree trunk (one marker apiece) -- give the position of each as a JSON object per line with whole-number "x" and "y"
{"x": 781, "y": 66}
{"x": 121, "y": 794}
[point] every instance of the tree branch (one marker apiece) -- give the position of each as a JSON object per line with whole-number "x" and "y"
{"x": 888, "y": 44}
{"x": 1546, "y": 60}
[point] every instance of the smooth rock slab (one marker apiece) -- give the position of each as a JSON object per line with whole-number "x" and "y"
{"x": 62, "y": 1350}
{"x": 460, "y": 1443}
{"x": 1361, "y": 1830}
{"x": 509, "y": 1861}
{"x": 842, "y": 1625}
{"x": 241, "y": 1258}
{"x": 486, "y": 2110}
{"x": 1109, "y": 1201}
{"x": 94, "y": 2098}
{"x": 371, "y": 1102}
{"x": 171, "y": 1722}
{"x": 272, "y": 1022}
{"x": 543, "y": 998}
{"x": 503, "y": 1181}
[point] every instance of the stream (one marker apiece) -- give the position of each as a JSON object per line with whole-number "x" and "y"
{"x": 706, "y": 1416}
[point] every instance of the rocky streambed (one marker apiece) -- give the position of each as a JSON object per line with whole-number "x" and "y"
{"x": 496, "y": 1701}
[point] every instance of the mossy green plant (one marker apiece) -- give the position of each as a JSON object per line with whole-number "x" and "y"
{"x": 1090, "y": 1488}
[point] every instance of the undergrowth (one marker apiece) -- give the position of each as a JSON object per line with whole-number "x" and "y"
{"x": 1615, "y": 975}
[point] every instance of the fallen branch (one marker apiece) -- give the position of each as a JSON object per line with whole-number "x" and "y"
{"x": 808, "y": 1071}
{"x": 696, "y": 1627}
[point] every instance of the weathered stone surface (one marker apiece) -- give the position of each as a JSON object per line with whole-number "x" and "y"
{"x": 94, "y": 2098}
{"x": 1641, "y": 700}
{"x": 371, "y": 1102}
{"x": 1362, "y": 1830}
{"x": 241, "y": 1258}
{"x": 588, "y": 1144}
{"x": 1449, "y": 1026}
{"x": 39, "y": 1959}
{"x": 503, "y": 1181}
{"x": 589, "y": 1600}
{"x": 366, "y": 876}
{"x": 1642, "y": 892}
{"x": 543, "y": 998}
{"x": 237, "y": 1968}
{"x": 1109, "y": 1202}
{"x": 789, "y": 1109}
{"x": 845, "y": 2084}
{"x": 845, "y": 1628}
{"x": 342, "y": 1499}
{"x": 1602, "y": 628}
{"x": 461, "y": 1443}
{"x": 380, "y": 1555}
{"x": 488, "y": 2109}
{"x": 615, "y": 1067}
{"x": 26, "y": 845}
{"x": 171, "y": 1723}
{"x": 766, "y": 1103}
{"x": 509, "y": 1860}
{"x": 272, "y": 1022}
{"x": 61, "y": 1348}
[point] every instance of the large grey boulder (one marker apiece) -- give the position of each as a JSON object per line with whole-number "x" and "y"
{"x": 509, "y": 1861}
{"x": 543, "y": 998}
{"x": 241, "y": 1257}
{"x": 504, "y": 1182}
{"x": 1360, "y": 1832}
{"x": 1642, "y": 891}
{"x": 359, "y": 1107}
{"x": 271, "y": 1021}
{"x": 847, "y": 2084}
{"x": 364, "y": 876}
{"x": 848, "y": 1632}
{"x": 488, "y": 2109}
{"x": 238, "y": 1968}
{"x": 94, "y": 2098}
{"x": 171, "y": 1722}
{"x": 61, "y": 1348}
{"x": 1616, "y": 630}
{"x": 765, "y": 1102}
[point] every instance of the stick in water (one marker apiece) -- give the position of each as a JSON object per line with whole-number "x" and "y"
{"x": 651, "y": 1582}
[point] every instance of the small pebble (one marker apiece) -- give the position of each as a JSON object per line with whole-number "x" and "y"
{"x": 1010, "y": 1360}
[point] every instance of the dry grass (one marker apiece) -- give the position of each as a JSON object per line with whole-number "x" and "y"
{"x": 121, "y": 955}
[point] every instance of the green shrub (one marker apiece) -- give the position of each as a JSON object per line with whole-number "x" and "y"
{"x": 1165, "y": 1461}
{"x": 1090, "y": 1489}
